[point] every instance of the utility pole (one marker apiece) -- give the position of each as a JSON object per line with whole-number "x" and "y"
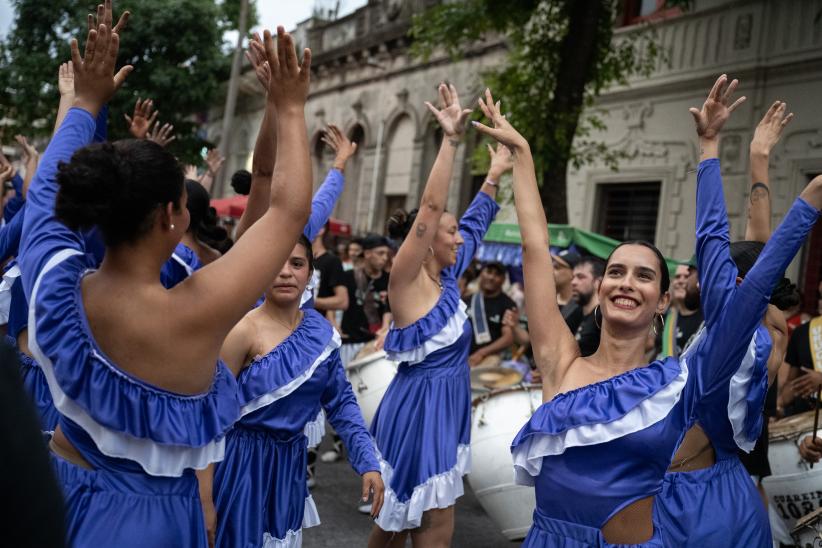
{"x": 231, "y": 99}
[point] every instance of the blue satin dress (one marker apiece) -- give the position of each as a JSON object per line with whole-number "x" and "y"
{"x": 423, "y": 424}
{"x": 142, "y": 442}
{"x": 592, "y": 451}
{"x": 260, "y": 490}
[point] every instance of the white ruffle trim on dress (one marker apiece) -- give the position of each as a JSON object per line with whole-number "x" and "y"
{"x": 740, "y": 385}
{"x": 9, "y": 277}
{"x": 156, "y": 459}
{"x": 447, "y": 336}
{"x": 294, "y": 539}
{"x": 183, "y": 263}
{"x": 283, "y": 391}
{"x": 315, "y": 430}
{"x": 440, "y": 491}
{"x": 528, "y": 455}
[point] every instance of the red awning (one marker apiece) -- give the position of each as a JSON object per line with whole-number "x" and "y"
{"x": 339, "y": 228}
{"x": 230, "y": 207}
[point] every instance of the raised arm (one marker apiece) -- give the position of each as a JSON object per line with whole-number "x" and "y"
{"x": 65, "y": 84}
{"x": 765, "y": 137}
{"x": 219, "y": 294}
{"x": 554, "y": 346}
{"x": 415, "y": 248}
{"x": 142, "y": 118}
{"x": 31, "y": 158}
{"x": 480, "y": 214}
{"x": 329, "y": 192}
{"x": 95, "y": 82}
{"x": 717, "y": 272}
{"x": 265, "y": 148}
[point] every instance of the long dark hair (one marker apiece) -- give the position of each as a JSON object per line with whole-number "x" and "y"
{"x": 744, "y": 254}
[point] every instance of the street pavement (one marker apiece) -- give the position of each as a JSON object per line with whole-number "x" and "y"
{"x": 337, "y": 495}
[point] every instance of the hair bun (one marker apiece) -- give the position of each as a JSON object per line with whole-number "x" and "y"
{"x": 399, "y": 223}
{"x": 88, "y": 184}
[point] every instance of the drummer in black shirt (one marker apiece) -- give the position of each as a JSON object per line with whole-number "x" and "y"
{"x": 486, "y": 309}
{"x": 368, "y": 314}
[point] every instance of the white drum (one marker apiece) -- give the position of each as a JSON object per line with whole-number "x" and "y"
{"x": 790, "y": 498}
{"x": 808, "y": 530}
{"x": 497, "y": 417}
{"x": 370, "y": 377}
{"x": 783, "y": 444}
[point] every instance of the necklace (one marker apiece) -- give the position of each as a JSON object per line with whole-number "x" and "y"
{"x": 433, "y": 279}
{"x": 287, "y": 326}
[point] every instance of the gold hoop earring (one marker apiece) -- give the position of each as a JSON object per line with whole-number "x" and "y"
{"x": 598, "y": 324}
{"x": 661, "y": 321}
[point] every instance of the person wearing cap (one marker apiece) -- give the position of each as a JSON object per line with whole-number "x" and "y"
{"x": 486, "y": 309}
{"x": 368, "y": 313}
{"x": 564, "y": 262}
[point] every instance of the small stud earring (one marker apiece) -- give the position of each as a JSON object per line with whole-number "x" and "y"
{"x": 172, "y": 226}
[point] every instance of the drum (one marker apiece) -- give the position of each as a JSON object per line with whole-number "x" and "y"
{"x": 791, "y": 498}
{"x": 370, "y": 377}
{"x": 783, "y": 443}
{"x": 808, "y": 530}
{"x": 497, "y": 417}
{"x": 485, "y": 379}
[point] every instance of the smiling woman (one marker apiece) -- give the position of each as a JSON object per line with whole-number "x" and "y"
{"x": 606, "y": 419}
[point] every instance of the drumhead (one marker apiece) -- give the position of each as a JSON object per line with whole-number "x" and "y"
{"x": 526, "y": 387}
{"x": 370, "y": 358}
{"x": 791, "y": 427}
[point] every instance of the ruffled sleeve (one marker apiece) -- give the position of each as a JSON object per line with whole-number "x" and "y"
{"x": 162, "y": 431}
{"x": 290, "y": 364}
{"x": 441, "y": 327}
{"x": 598, "y": 413}
{"x": 182, "y": 264}
{"x": 345, "y": 416}
{"x": 747, "y": 391}
{"x": 473, "y": 226}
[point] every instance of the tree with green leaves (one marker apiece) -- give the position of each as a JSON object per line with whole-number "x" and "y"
{"x": 177, "y": 50}
{"x": 561, "y": 56}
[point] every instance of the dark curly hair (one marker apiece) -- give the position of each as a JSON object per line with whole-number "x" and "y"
{"x": 744, "y": 254}
{"x": 117, "y": 187}
{"x": 399, "y": 223}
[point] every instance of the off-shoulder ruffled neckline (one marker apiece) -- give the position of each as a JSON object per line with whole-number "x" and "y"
{"x": 401, "y": 339}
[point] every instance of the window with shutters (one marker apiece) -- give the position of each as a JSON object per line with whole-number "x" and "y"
{"x": 627, "y": 211}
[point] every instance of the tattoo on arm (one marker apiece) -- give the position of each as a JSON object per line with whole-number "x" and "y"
{"x": 759, "y": 191}
{"x": 454, "y": 142}
{"x": 421, "y": 228}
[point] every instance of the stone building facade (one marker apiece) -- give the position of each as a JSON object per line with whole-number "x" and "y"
{"x": 365, "y": 81}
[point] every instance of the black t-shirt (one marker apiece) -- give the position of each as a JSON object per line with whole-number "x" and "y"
{"x": 330, "y": 269}
{"x": 799, "y": 356}
{"x": 572, "y": 313}
{"x": 367, "y": 303}
{"x": 587, "y": 334}
{"x": 495, "y": 308}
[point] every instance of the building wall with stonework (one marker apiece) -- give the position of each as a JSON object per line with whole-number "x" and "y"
{"x": 365, "y": 81}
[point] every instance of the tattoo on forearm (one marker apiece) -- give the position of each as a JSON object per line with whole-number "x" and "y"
{"x": 759, "y": 191}
{"x": 454, "y": 142}
{"x": 421, "y": 228}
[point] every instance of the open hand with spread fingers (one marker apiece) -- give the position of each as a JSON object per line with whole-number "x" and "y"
{"x": 770, "y": 128}
{"x": 142, "y": 119}
{"x": 105, "y": 16}
{"x": 502, "y": 161}
{"x": 256, "y": 56}
{"x": 29, "y": 152}
{"x": 95, "y": 80}
{"x": 214, "y": 161}
{"x": 716, "y": 109}
{"x": 451, "y": 116}
{"x": 340, "y": 144}
{"x": 503, "y": 132}
{"x": 288, "y": 84}
{"x": 162, "y": 135}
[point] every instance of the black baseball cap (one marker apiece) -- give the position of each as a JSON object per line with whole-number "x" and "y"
{"x": 569, "y": 256}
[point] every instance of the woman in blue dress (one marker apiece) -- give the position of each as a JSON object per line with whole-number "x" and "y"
{"x": 598, "y": 448}
{"x": 422, "y": 426}
{"x": 708, "y": 498}
{"x": 288, "y": 367}
{"x": 139, "y": 410}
